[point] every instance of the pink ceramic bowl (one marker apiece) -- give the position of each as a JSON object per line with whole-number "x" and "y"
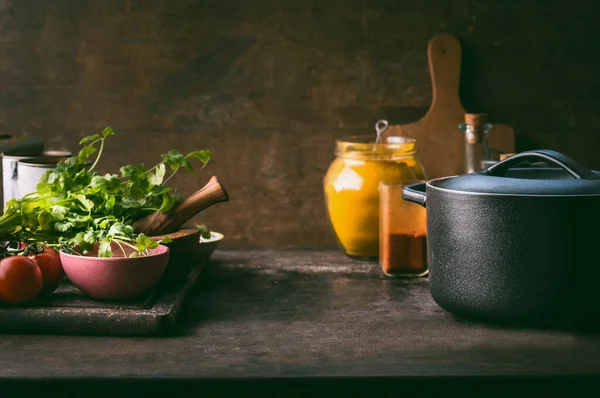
{"x": 118, "y": 277}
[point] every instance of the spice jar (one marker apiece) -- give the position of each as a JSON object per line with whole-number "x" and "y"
{"x": 403, "y": 232}
{"x": 351, "y": 188}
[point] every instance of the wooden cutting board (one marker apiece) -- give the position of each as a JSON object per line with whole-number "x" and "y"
{"x": 439, "y": 141}
{"x": 69, "y": 311}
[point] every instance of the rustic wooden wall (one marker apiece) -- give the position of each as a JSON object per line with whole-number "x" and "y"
{"x": 268, "y": 84}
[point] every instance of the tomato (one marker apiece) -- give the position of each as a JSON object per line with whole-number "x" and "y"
{"x": 20, "y": 280}
{"x": 51, "y": 267}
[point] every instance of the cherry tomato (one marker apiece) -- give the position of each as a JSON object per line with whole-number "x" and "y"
{"x": 20, "y": 280}
{"x": 51, "y": 267}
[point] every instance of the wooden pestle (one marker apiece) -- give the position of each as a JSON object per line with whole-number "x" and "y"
{"x": 159, "y": 223}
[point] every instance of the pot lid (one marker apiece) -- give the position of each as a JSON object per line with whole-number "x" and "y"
{"x": 565, "y": 176}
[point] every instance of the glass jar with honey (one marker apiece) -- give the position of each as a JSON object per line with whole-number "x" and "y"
{"x": 351, "y": 188}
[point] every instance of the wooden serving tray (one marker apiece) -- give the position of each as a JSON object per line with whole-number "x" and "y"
{"x": 69, "y": 311}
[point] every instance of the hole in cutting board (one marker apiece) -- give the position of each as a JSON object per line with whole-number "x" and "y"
{"x": 443, "y": 51}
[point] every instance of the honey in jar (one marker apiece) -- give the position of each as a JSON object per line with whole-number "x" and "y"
{"x": 351, "y": 188}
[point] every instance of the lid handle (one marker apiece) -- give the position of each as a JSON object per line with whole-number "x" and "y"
{"x": 416, "y": 193}
{"x": 573, "y": 167}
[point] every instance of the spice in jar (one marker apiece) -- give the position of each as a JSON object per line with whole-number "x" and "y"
{"x": 403, "y": 237}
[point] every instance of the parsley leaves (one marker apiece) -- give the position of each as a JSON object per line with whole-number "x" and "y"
{"x": 76, "y": 208}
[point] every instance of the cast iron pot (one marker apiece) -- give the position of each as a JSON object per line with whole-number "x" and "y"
{"x": 515, "y": 244}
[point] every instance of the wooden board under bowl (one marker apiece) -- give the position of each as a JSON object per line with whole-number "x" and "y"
{"x": 69, "y": 311}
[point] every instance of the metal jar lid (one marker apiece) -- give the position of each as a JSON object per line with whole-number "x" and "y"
{"x": 48, "y": 159}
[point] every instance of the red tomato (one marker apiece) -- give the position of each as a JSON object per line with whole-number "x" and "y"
{"x": 51, "y": 267}
{"x": 20, "y": 280}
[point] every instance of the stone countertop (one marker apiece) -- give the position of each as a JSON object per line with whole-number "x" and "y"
{"x": 306, "y": 317}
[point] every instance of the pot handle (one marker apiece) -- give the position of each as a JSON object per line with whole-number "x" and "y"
{"x": 415, "y": 193}
{"x": 573, "y": 167}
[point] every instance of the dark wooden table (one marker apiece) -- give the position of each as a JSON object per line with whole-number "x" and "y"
{"x": 306, "y": 322}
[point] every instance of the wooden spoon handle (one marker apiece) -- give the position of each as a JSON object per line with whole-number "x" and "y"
{"x": 158, "y": 223}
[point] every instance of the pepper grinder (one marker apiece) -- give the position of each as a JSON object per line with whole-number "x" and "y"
{"x": 476, "y": 129}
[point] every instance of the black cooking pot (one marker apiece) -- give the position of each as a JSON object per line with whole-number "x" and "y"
{"x": 515, "y": 244}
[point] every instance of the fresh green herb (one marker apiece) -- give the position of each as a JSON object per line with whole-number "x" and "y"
{"x": 204, "y": 231}
{"x": 75, "y": 207}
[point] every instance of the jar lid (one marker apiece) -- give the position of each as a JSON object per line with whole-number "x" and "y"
{"x": 390, "y": 147}
{"x": 569, "y": 178}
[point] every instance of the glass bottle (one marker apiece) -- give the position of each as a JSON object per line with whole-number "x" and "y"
{"x": 477, "y": 151}
{"x": 351, "y": 188}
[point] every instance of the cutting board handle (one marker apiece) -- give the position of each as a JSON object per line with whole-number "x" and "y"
{"x": 439, "y": 141}
{"x": 444, "y": 56}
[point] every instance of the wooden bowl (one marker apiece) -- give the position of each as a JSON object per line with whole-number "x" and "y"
{"x": 118, "y": 277}
{"x": 187, "y": 250}
{"x": 183, "y": 239}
